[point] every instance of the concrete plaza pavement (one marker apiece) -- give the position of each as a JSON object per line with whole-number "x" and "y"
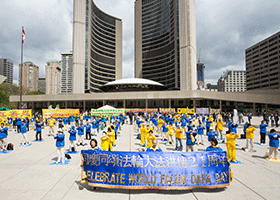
{"x": 26, "y": 173}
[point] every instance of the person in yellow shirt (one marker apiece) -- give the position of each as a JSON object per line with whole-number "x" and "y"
{"x": 220, "y": 129}
{"x": 143, "y": 132}
{"x": 178, "y": 136}
{"x": 150, "y": 137}
{"x": 170, "y": 128}
{"x": 105, "y": 141}
{"x": 231, "y": 146}
{"x": 51, "y": 125}
{"x": 160, "y": 123}
{"x": 211, "y": 119}
{"x": 111, "y": 136}
{"x": 249, "y": 137}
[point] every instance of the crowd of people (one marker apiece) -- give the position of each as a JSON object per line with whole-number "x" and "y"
{"x": 169, "y": 128}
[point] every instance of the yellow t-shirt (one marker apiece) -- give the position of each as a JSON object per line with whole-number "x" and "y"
{"x": 51, "y": 122}
{"x": 231, "y": 140}
{"x": 150, "y": 138}
{"x": 179, "y": 133}
{"x": 250, "y": 133}
{"x": 160, "y": 122}
{"x": 105, "y": 140}
{"x": 170, "y": 129}
{"x": 148, "y": 130}
{"x": 220, "y": 125}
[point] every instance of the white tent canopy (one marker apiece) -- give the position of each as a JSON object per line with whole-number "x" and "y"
{"x": 107, "y": 107}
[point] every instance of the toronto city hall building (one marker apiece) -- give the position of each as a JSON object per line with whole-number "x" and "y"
{"x": 97, "y": 47}
{"x": 165, "y": 42}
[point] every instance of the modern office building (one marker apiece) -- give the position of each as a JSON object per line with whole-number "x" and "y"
{"x": 66, "y": 73}
{"x": 232, "y": 81}
{"x": 165, "y": 42}
{"x": 30, "y": 76}
{"x": 97, "y": 47}
{"x": 42, "y": 85}
{"x": 200, "y": 75}
{"x": 53, "y": 77}
{"x": 6, "y": 69}
{"x": 262, "y": 64}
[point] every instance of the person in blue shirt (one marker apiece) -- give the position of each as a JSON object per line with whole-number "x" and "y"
{"x": 244, "y": 130}
{"x": 165, "y": 132}
{"x": 200, "y": 132}
{"x": 81, "y": 130}
{"x": 10, "y": 122}
{"x": 60, "y": 143}
{"x": 208, "y": 124}
{"x": 263, "y": 126}
{"x": 19, "y": 125}
{"x": 88, "y": 131}
{"x": 72, "y": 139}
{"x": 38, "y": 127}
{"x": 211, "y": 134}
{"x": 154, "y": 147}
{"x": 191, "y": 139}
{"x": 190, "y": 126}
{"x": 23, "y": 130}
{"x": 233, "y": 127}
{"x": 273, "y": 143}
{"x": 94, "y": 127}
{"x": 214, "y": 146}
{"x": 3, "y": 137}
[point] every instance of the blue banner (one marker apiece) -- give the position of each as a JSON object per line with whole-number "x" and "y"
{"x": 156, "y": 170}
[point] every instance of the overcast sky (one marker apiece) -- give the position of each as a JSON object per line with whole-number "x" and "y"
{"x": 224, "y": 30}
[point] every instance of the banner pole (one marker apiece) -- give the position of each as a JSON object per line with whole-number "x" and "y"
{"x": 20, "y": 101}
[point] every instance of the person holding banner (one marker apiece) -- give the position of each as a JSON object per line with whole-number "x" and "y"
{"x": 154, "y": 147}
{"x": 72, "y": 139}
{"x": 81, "y": 130}
{"x": 179, "y": 136}
{"x": 214, "y": 146}
{"x": 60, "y": 143}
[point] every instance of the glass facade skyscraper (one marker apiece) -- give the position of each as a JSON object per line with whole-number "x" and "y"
{"x": 165, "y": 42}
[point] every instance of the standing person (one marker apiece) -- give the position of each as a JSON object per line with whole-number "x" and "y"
{"x": 276, "y": 117}
{"x": 170, "y": 128}
{"x": 272, "y": 120}
{"x": 38, "y": 128}
{"x": 143, "y": 132}
{"x": 23, "y": 131}
{"x": 263, "y": 132}
{"x": 72, "y": 139}
{"x": 179, "y": 136}
{"x": 111, "y": 136}
{"x": 160, "y": 123}
{"x": 249, "y": 137}
{"x": 150, "y": 137}
{"x": 250, "y": 118}
{"x": 60, "y": 143}
{"x": 10, "y": 122}
{"x": 27, "y": 123}
{"x": 208, "y": 124}
{"x": 231, "y": 146}
{"x": 273, "y": 143}
{"x": 94, "y": 128}
{"x": 220, "y": 129}
{"x": 51, "y": 126}
{"x": 165, "y": 132}
{"x": 19, "y": 125}
{"x": 211, "y": 134}
{"x": 190, "y": 140}
{"x": 88, "y": 131}
{"x": 81, "y": 130}
{"x": 214, "y": 146}
{"x": 3, "y": 137}
{"x": 200, "y": 132}
{"x": 154, "y": 147}
{"x": 105, "y": 141}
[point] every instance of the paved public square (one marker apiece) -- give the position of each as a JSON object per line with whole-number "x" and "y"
{"x": 26, "y": 173}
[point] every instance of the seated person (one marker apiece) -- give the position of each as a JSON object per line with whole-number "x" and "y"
{"x": 214, "y": 146}
{"x": 154, "y": 147}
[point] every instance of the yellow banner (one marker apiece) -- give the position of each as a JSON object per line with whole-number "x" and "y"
{"x": 60, "y": 112}
{"x": 167, "y": 110}
{"x": 186, "y": 110}
{"x": 141, "y": 110}
{"x": 15, "y": 113}
{"x": 215, "y": 111}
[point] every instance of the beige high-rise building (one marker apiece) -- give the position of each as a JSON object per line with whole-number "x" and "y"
{"x": 97, "y": 47}
{"x": 6, "y": 69}
{"x": 165, "y": 42}
{"x": 53, "y": 77}
{"x": 30, "y": 76}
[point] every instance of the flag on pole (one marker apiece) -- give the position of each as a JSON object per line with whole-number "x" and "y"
{"x": 23, "y": 35}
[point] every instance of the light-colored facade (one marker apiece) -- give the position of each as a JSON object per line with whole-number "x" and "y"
{"x": 232, "y": 81}
{"x": 165, "y": 42}
{"x": 66, "y": 73}
{"x": 6, "y": 69}
{"x": 42, "y": 85}
{"x": 53, "y": 77}
{"x": 30, "y": 76}
{"x": 97, "y": 47}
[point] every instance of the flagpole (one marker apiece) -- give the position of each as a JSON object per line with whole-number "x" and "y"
{"x": 20, "y": 100}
